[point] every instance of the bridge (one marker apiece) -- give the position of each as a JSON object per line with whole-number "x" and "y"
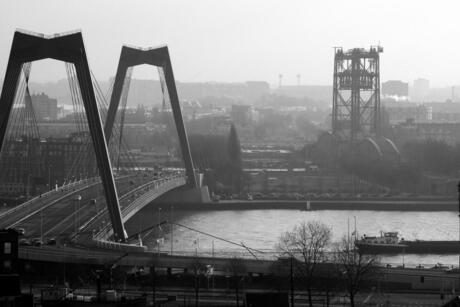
{"x": 94, "y": 209}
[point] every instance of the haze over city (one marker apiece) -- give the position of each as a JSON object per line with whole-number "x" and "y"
{"x": 229, "y": 153}
{"x": 235, "y": 41}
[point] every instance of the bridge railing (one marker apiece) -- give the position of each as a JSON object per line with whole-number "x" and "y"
{"x": 30, "y": 206}
{"x": 157, "y": 185}
{"x": 50, "y": 193}
{"x": 242, "y": 254}
{"x": 105, "y": 244}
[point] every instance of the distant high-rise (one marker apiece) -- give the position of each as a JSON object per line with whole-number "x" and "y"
{"x": 420, "y": 90}
{"x": 45, "y": 107}
{"x": 395, "y": 88}
{"x": 242, "y": 114}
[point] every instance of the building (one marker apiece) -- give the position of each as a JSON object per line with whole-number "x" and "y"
{"x": 398, "y": 113}
{"x": 31, "y": 165}
{"x": 315, "y": 92}
{"x": 446, "y": 112}
{"x": 411, "y": 131}
{"x": 395, "y": 88}
{"x": 9, "y": 277}
{"x": 10, "y": 290}
{"x": 210, "y": 124}
{"x": 420, "y": 90}
{"x": 45, "y": 108}
{"x": 148, "y": 92}
{"x": 242, "y": 115}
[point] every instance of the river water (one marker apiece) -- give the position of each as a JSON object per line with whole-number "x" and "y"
{"x": 261, "y": 229}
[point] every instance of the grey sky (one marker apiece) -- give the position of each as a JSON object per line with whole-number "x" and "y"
{"x": 235, "y": 41}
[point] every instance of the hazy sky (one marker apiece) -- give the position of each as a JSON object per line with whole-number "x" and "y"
{"x": 235, "y": 41}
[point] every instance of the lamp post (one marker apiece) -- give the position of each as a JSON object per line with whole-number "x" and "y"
{"x": 49, "y": 177}
{"x": 41, "y": 223}
{"x": 172, "y": 229}
{"x": 159, "y": 230}
{"x": 458, "y": 187}
{"x": 76, "y": 209}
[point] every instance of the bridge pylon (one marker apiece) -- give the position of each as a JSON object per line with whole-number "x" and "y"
{"x": 158, "y": 57}
{"x": 29, "y": 47}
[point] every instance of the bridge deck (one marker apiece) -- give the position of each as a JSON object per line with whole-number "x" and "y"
{"x": 57, "y": 214}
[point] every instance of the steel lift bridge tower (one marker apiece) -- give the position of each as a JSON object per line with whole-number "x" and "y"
{"x": 356, "y": 93}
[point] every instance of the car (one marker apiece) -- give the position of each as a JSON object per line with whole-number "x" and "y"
{"x": 453, "y": 270}
{"x": 37, "y": 242}
{"x": 21, "y": 231}
{"x": 51, "y": 241}
{"x": 440, "y": 266}
{"x": 274, "y": 195}
{"x": 93, "y": 201}
{"x": 24, "y": 242}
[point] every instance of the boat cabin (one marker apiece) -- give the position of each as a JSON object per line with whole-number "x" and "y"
{"x": 385, "y": 238}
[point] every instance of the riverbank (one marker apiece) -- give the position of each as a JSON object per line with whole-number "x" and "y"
{"x": 333, "y": 204}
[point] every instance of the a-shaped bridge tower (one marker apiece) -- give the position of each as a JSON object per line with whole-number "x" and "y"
{"x": 158, "y": 57}
{"x": 29, "y": 47}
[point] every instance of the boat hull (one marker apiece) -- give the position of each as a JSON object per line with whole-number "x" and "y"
{"x": 411, "y": 247}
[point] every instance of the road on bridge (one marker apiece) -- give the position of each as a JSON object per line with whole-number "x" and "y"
{"x": 60, "y": 216}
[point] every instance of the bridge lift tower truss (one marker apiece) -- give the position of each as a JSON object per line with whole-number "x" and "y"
{"x": 29, "y": 47}
{"x": 159, "y": 57}
{"x": 356, "y": 93}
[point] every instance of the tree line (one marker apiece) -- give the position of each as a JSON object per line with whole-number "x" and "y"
{"x": 218, "y": 157}
{"x": 418, "y": 158}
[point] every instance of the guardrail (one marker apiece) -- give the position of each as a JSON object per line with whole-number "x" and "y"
{"x": 158, "y": 186}
{"x": 49, "y": 194}
{"x": 156, "y": 189}
{"x": 30, "y": 206}
{"x": 119, "y": 246}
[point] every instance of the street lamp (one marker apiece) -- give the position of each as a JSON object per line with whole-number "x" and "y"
{"x": 458, "y": 187}
{"x": 172, "y": 229}
{"x": 41, "y": 222}
{"x": 159, "y": 230}
{"x": 77, "y": 200}
{"x": 94, "y": 202}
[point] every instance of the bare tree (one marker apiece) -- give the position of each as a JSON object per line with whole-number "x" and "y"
{"x": 237, "y": 271}
{"x": 198, "y": 270}
{"x": 306, "y": 242}
{"x": 354, "y": 267}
